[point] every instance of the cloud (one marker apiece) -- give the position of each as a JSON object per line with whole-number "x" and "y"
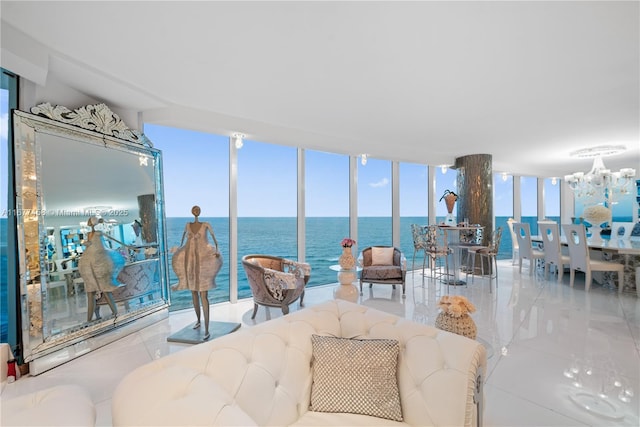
{"x": 382, "y": 183}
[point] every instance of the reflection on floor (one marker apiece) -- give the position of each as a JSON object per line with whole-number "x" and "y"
{"x": 69, "y": 311}
{"x": 553, "y": 348}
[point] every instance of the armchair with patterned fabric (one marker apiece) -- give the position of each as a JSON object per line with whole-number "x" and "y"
{"x": 383, "y": 264}
{"x": 275, "y": 281}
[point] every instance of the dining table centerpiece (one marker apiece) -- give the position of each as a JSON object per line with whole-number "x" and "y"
{"x": 347, "y": 260}
{"x": 597, "y": 216}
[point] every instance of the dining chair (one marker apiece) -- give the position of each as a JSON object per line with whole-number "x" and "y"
{"x": 488, "y": 253}
{"x": 581, "y": 260}
{"x": 550, "y": 233}
{"x": 419, "y": 244}
{"x": 437, "y": 249}
{"x": 515, "y": 252}
{"x": 522, "y": 231}
{"x": 621, "y": 230}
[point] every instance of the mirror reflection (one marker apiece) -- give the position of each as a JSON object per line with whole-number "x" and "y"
{"x": 96, "y": 199}
{"x": 92, "y": 247}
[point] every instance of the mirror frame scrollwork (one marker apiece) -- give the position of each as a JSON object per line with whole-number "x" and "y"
{"x": 92, "y": 124}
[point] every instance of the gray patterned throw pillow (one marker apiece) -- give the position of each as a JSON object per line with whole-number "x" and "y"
{"x": 356, "y": 376}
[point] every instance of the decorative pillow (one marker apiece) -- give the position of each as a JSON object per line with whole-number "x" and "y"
{"x": 356, "y": 376}
{"x": 381, "y": 256}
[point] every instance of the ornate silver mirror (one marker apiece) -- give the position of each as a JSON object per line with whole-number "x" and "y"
{"x": 90, "y": 231}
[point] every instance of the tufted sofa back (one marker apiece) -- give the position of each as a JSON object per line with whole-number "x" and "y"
{"x": 262, "y": 375}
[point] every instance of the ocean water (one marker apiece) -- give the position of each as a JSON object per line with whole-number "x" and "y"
{"x": 278, "y": 236}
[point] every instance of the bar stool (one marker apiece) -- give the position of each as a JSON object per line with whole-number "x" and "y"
{"x": 490, "y": 253}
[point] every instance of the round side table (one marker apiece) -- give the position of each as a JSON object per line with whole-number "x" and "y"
{"x": 346, "y": 290}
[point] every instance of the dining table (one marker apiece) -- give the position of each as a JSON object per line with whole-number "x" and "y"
{"x": 624, "y": 251}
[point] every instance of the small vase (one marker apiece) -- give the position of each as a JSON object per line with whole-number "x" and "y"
{"x": 596, "y": 236}
{"x": 346, "y": 260}
{"x": 450, "y": 201}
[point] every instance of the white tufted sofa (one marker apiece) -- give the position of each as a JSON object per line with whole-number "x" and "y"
{"x": 262, "y": 375}
{"x": 63, "y": 405}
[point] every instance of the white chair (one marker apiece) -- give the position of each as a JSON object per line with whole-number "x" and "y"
{"x": 581, "y": 261}
{"x": 621, "y": 230}
{"x": 522, "y": 231}
{"x": 515, "y": 251}
{"x": 550, "y": 232}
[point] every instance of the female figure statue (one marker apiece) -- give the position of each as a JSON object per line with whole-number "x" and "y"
{"x": 196, "y": 263}
{"x": 99, "y": 268}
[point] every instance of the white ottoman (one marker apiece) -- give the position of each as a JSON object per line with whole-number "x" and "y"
{"x": 65, "y": 405}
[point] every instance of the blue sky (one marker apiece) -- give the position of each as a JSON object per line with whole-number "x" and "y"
{"x": 196, "y": 172}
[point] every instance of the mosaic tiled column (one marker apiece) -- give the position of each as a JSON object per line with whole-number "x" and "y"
{"x": 475, "y": 195}
{"x": 475, "y": 191}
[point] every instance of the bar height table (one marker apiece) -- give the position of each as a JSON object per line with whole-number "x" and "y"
{"x": 451, "y": 236}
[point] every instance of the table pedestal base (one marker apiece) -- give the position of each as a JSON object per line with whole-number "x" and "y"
{"x": 348, "y": 292}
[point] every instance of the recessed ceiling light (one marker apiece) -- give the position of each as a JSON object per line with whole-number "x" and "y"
{"x": 599, "y": 151}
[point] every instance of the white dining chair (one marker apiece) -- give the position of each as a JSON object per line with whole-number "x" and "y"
{"x": 550, "y": 233}
{"x": 581, "y": 260}
{"x": 515, "y": 251}
{"x": 621, "y": 230}
{"x": 525, "y": 247}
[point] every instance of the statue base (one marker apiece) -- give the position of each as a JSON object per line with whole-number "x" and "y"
{"x": 188, "y": 335}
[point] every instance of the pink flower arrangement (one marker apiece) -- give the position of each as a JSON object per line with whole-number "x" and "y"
{"x": 347, "y": 242}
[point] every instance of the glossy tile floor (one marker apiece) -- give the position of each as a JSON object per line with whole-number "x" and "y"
{"x": 551, "y": 347}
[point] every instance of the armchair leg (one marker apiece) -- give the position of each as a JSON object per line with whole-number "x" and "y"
{"x": 255, "y": 310}
{"x": 285, "y": 309}
{"x": 301, "y": 299}
{"x": 360, "y": 286}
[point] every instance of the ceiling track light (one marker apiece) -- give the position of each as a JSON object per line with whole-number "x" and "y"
{"x": 505, "y": 176}
{"x": 444, "y": 168}
{"x": 363, "y": 159}
{"x": 237, "y": 138}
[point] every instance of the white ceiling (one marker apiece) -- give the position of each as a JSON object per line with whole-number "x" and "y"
{"x": 527, "y": 82}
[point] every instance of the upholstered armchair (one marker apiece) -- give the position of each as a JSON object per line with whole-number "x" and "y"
{"x": 275, "y": 281}
{"x": 383, "y": 264}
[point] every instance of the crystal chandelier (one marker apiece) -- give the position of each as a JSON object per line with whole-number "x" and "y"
{"x": 600, "y": 184}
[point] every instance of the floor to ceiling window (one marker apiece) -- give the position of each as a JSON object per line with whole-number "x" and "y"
{"x": 552, "y": 199}
{"x": 414, "y": 202}
{"x": 8, "y": 297}
{"x": 446, "y": 179}
{"x": 374, "y": 203}
{"x": 503, "y": 210}
{"x": 196, "y": 172}
{"x": 267, "y": 204}
{"x": 529, "y": 201}
{"x": 327, "y": 212}
{"x": 623, "y": 207}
